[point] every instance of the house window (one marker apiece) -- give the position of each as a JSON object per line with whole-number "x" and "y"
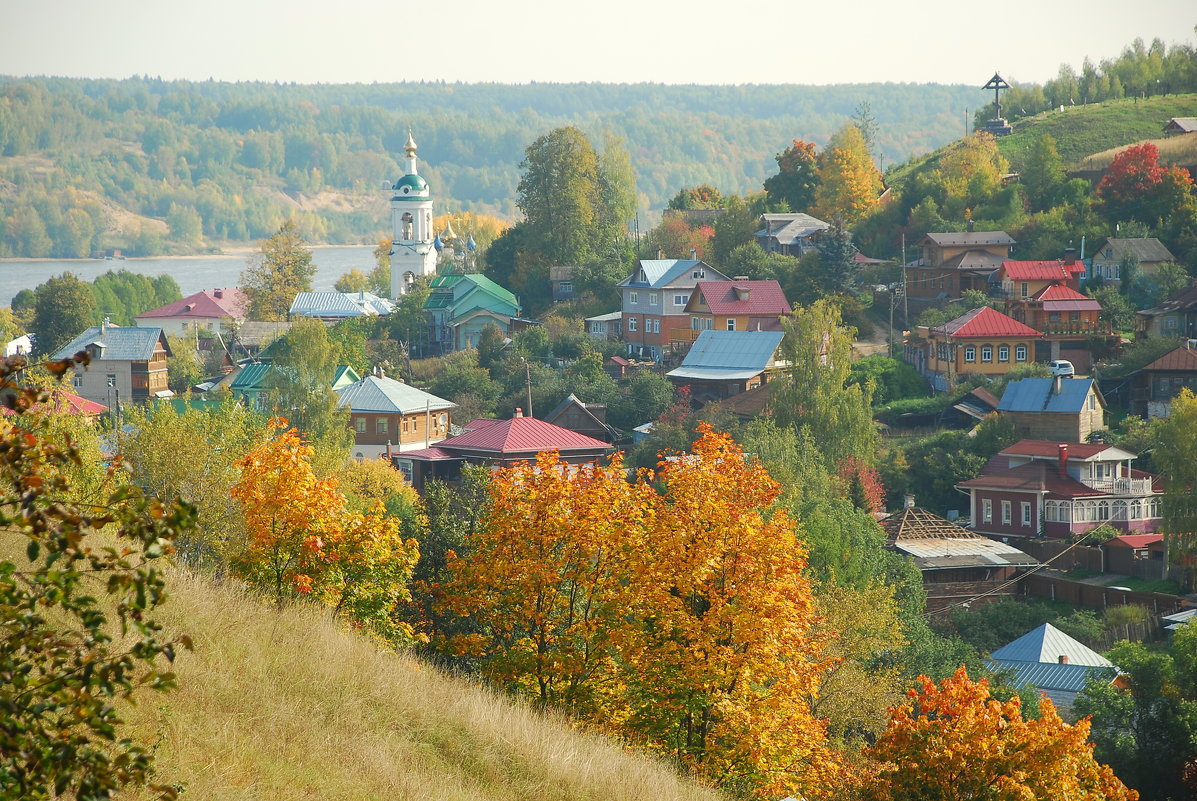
{"x": 987, "y": 353}
{"x": 632, "y": 324}
{"x": 77, "y": 380}
{"x": 681, "y": 300}
{"x": 941, "y": 351}
{"x": 1170, "y": 323}
{"x": 443, "y": 419}
{"x": 1092, "y": 402}
{"x": 1020, "y": 353}
{"x": 1053, "y": 317}
{"x": 567, "y": 288}
{"x": 633, "y": 297}
{"x": 380, "y": 426}
{"x": 1003, "y": 353}
{"x": 1153, "y": 508}
{"x": 1136, "y": 510}
{"x": 1120, "y": 510}
{"x": 1006, "y": 518}
{"x": 700, "y": 273}
{"x": 405, "y": 468}
{"x": 1026, "y": 514}
{"x": 1074, "y": 316}
{"x": 1103, "y": 511}
{"x": 987, "y": 510}
{"x": 731, "y": 323}
{"x": 656, "y": 326}
{"x": 111, "y": 379}
{"x": 970, "y": 353}
{"x": 1051, "y": 511}
{"x": 359, "y": 425}
{"x": 652, "y": 298}
{"x": 1025, "y": 290}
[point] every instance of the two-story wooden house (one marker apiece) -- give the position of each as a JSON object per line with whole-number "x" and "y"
{"x": 954, "y": 262}
{"x": 736, "y": 305}
{"x": 460, "y": 306}
{"x": 1022, "y": 280}
{"x": 1061, "y": 489}
{"x": 390, "y": 416}
{"x": 1154, "y": 386}
{"x": 1148, "y": 253}
{"x": 655, "y": 297}
{"x": 1176, "y": 316}
{"x": 127, "y": 364}
{"x": 979, "y": 342}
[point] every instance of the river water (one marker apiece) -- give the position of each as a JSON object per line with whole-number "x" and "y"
{"x": 193, "y": 273}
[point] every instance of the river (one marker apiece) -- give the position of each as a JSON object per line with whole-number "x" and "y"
{"x": 193, "y": 273}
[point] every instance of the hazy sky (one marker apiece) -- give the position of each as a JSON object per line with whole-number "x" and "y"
{"x": 698, "y": 41}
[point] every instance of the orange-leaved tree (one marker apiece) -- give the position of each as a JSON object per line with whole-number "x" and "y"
{"x": 301, "y": 540}
{"x": 544, "y": 579}
{"x": 722, "y": 662}
{"x": 952, "y": 742}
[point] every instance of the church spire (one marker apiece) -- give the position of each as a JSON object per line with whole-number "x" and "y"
{"x": 410, "y": 147}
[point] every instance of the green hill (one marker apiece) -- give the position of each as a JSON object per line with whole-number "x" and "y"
{"x": 290, "y": 706}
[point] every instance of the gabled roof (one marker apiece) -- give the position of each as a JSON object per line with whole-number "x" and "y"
{"x": 744, "y": 297}
{"x": 339, "y": 304}
{"x": 967, "y": 238}
{"x": 458, "y": 290}
{"x": 1185, "y": 124}
{"x": 1054, "y": 676}
{"x": 387, "y": 396}
{"x": 789, "y": 228}
{"x": 985, "y": 322}
{"x": 1037, "y": 476}
{"x": 1184, "y": 300}
{"x": 1077, "y": 451}
{"x": 1135, "y": 540}
{"x": 519, "y": 435}
{"x": 119, "y": 343}
{"x": 971, "y": 260}
{"x": 729, "y": 355}
{"x": 1144, "y": 249}
{"x": 1047, "y": 644}
{"x": 659, "y": 273}
{"x": 205, "y": 305}
{"x": 937, "y": 544}
{"x": 251, "y": 376}
{"x": 1183, "y": 359}
{"x": 1053, "y": 270}
{"x": 1038, "y": 395}
{"x": 572, "y": 400}
{"x": 60, "y": 400}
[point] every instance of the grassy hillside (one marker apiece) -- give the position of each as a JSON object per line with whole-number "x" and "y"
{"x": 278, "y": 706}
{"x": 1180, "y": 150}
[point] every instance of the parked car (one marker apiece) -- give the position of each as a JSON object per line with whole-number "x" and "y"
{"x": 1061, "y": 367}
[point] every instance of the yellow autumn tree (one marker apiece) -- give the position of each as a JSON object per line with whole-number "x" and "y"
{"x": 971, "y": 174}
{"x": 953, "y": 742}
{"x": 849, "y": 183}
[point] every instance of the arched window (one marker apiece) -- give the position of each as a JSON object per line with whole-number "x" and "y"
{"x": 1136, "y": 510}
{"x": 1120, "y": 510}
{"x": 1153, "y": 508}
{"x": 1103, "y": 511}
{"x": 1051, "y": 511}
{"x": 1065, "y": 512}
{"x": 1091, "y": 511}
{"x": 407, "y": 225}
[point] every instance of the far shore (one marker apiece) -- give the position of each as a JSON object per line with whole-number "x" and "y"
{"x": 231, "y": 252}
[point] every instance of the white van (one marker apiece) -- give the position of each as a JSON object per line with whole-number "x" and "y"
{"x": 1061, "y": 367}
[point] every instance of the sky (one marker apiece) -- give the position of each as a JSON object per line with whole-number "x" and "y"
{"x": 615, "y": 41}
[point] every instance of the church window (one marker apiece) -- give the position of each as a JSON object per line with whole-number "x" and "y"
{"x": 407, "y": 225}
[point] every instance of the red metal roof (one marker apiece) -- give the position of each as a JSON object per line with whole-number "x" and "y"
{"x": 744, "y": 297}
{"x": 1183, "y": 358}
{"x": 1031, "y": 477}
{"x": 1059, "y": 292}
{"x": 1051, "y": 449}
{"x": 63, "y": 401}
{"x": 210, "y": 303}
{"x": 519, "y": 435}
{"x": 1041, "y": 270}
{"x": 1136, "y": 540}
{"x": 986, "y": 322}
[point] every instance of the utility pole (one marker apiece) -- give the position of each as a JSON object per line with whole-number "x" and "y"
{"x": 528, "y": 384}
{"x": 905, "y": 288}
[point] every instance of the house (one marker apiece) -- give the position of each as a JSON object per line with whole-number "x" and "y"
{"x": 251, "y": 337}
{"x": 655, "y": 296}
{"x": 1149, "y": 252}
{"x": 561, "y": 281}
{"x": 605, "y": 326}
{"x": 953, "y": 262}
{"x": 253, "y": 382}
{"x": 957, "y": 564}
{"x": 724, "y": 363}
{"x": 979, "y": 342}
{"x": 1023, "y": 280}
{"x": 1174, "y": 317}
{"x": 127, "y": 363}
{"x": 737, "y": 305}
{"x": 1126, "y": 553}
{"x": 617, "y": 367}
{"x": 1059, "y": 489}
{"x": 388, "y": 415}
{"x": 331, "y": 308}
{"x": 1154, "y": 386}
{"x": 583, "y": 418}
{"x": 21, "y": 346}
{"x": 1061, "y": 409}
{"x": 500, "y": 443}
{"x": 1180, "y": 125}
{"x": 60, "y": 401}
{"x": 789, "y": 234}
{"x": 461, "y": 305}
{"x": 1054, "y": 663}
{"x": 1069, "y": 321}
{"x": 211, "y": 310}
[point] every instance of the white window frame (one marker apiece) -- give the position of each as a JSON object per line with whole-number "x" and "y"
{"x": 110, "y": 378}
{"x": 681, "y": 300}
{"x": 633, "y": 297}
{"x": 970, "y": 353}
{"x": 1003, "y": 353}
{"x": 986, "y": 510}
{"x": 1020, "y": 353}
{"x": 652, "y": 298}
{"x": 1007, "y": 513}
{"x": 987, "y": 353}
{"x": 632, "y": 325}
{"x": 1026, "y": 514}
{"x": 731, "y": 323}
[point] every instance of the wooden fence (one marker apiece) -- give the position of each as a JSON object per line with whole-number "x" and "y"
{"x": 1092, "y": 596}
{"x": 1062, "y": 556}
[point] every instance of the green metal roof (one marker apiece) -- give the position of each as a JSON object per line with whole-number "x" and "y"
{"x": 412, "y": 183}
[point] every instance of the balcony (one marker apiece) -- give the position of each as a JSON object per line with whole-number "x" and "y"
{"x": 1120, "y": 486}
{"x": 1076, "y": 329}
{"x": 683, "y": 336}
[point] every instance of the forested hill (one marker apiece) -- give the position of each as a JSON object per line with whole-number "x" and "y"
{"x": 174, "y": 165}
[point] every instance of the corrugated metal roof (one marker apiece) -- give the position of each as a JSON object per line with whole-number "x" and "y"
{"x": 1047, "y": 644}
{"x": 661, "y": 272}
{"x": 1037, "y": 476}
{"x": 744, "y": 297}
{"x": 1182, "y": 359}
{"x": 207, "y": 304}
{"x": 1054, "y": 270}
{"x": 339, "y": 304}
{"x": 1135, "y": 540}
{"x": 1052, "y": 675}
{"x": 1049, "y": 449}
{"x": 932, "y": 553}
{"x": 735, "y": 351}
{"x": 1060, "y": 292}
{"x": 789, "y": 228}
{"x": 120, "y": 343}
{"x": 1037, "y": 395}
{"x": 388, "y": 396}
{"x": 985, "y": 322}
{"x": 965, "y": 238}
{"x": 520, "y": 435}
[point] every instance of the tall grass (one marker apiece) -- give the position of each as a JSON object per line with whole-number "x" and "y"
{"x": 278, "y": 705}
{"x": 1180, "y": 150}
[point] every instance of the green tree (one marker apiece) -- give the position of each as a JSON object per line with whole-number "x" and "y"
{"x": 301, "y": 391}
{"x": 560, "y": 195}
{"x": 63, "y": 309}
{"x": 282, "y": 269}
{"x": 797, "y": 177}
{"x": 1043, "y": 173}
{"x": 67, "y": 656}
{"x": 1176, "y": 458}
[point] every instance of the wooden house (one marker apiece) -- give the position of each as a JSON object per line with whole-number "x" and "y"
{"x": 737, "y": 305}
{"x": 791, "y": 234}
{"x": 460, "y": 306}
{"x": 583, "y": 418}
{"x": 954, "y": 262}
{"x": 390, "y": 416}
{"x": 1154, "y": 386}
{"x": 127, "y": 364}
{"x": 1174, "y": 317}
{"x": 979, "y": 342}
{"x": 1148, "y": 252}
{"x": 1061, "y": 409}
{"x": 655, "y": 297}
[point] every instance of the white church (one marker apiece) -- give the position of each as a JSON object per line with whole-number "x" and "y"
{"x": 413, "y": 246}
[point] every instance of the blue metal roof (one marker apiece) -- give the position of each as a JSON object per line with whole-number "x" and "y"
{"x": 1052, "y": 675}
{"x": 729, "y": 355}
{"x": 1047, "y": 644}
{"x": 1035, "y": 395}
{"x": 118, "y": 343}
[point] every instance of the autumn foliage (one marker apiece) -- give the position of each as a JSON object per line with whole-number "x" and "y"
{"x": 1137, "y": 187}
{"x": 952, "y": 742}
{"x": 303, "y": 540}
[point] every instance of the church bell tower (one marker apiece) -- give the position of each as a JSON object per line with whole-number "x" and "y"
{"x": 412, "y": 250}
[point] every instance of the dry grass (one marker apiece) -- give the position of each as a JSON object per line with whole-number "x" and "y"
{"x": 1180, "y": 150}
{"x": 287, "y": 705}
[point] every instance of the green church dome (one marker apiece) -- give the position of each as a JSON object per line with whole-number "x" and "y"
{"x": 410, "y": 185}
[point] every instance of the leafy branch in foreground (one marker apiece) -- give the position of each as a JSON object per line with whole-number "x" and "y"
{"x": 66, "y": 654}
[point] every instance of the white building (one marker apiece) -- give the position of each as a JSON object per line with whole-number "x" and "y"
{"x": 413, "y": 252}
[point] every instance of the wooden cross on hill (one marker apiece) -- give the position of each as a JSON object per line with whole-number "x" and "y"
{"x": 997, "y": 83}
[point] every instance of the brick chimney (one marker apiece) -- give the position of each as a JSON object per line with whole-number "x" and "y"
{"x": 218, "y": 293}
{"x": 519, "y": 412}
{"x": 1063, "y": 461}
{"x": 1070, "y": 255}
{"x": 1063, "y": 659}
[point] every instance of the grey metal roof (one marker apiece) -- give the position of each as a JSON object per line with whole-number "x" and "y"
{"x": 1036, "y": 395}
{"x": 605, "y": 318}
{"x": 339, "y": 304}
{"x": 788, "y": 228}
{"x": 662, "y": 272}
{"x": 1144, "y": 249}
{"x": 120, "y": 343}
{"x": 964, "y": 238}
{"x": 381, "y": 394}
{"x": 1047, "y": 644}
{"x": 1053, "y": 675}
{"x": 729, "y": 355}
{"x": 939, "y": 553}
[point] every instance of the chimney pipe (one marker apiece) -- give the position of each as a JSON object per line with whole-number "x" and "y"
{"x": 519, "y": 412}
{"x": 1063, "y": 460}
{"x": 1070, "y": 255}
{"x": 1056, "y": 386}
{"x": 1063, "y": 659}
{"x": 908, "y": 501}
{"x": 693, "y": 254}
